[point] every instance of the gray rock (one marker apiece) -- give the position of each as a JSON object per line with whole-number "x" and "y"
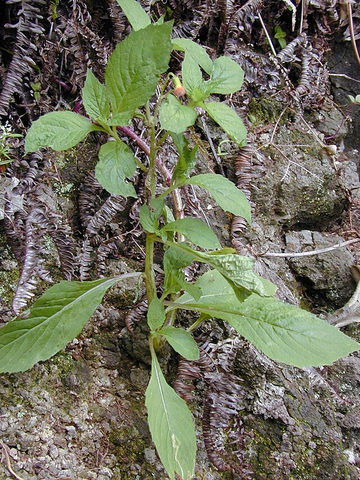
{"x": 326, "y": 276}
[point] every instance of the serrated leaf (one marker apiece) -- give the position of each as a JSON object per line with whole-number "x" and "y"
{"x": 176, "y": 117}
{"x": 149, "y": 216}
{"x": 55, "y": 319}
{"x": 171, "y": 425}
{"x": 95, "y": 99}
{"x": 194, "y": 230}
{"x": 135, "y": 66}
{"x": 238, "y": 271}
{"x": 116, "y": 163}
{"x": 228, "y": 120}
{"x": 225, "y": 193}
{"x": 283, "y": 332}
{"x": 195, "y": 50}
{"x": 135, "y": 14}
{"x": 58, "y": 130}
{"x": 226, "y": 77}
{"x": 156, "y": 314}
{"x": 187, "y": 157}
{"x": 120, "y": 119}
{"x": 181, "y": 341}
{"x": 192, "y": 79}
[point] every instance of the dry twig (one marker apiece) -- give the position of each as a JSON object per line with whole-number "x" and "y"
{"x": 308, "y": 254}
{"x": 5, "y": 459}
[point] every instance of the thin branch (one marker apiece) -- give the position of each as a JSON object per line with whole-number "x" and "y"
{"x": 267, "y": 34}
{"x": 308, "y": 254}
{"x": 5, "y": 458}
{"x": 163, "y": 169}
{"x": 352, "y": 33}
{"x": 343, "y": 75}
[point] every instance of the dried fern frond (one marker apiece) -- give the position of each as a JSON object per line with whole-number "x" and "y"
{"x": 28, "y": 280}
{"x": 243, "y": 173}
{"x": 136, "y": 314}
{"x": 28, "y": 23}
{"x": 105, "y": 214}
{"x": 223, "y": 432}
{"x": 110, "y": 247}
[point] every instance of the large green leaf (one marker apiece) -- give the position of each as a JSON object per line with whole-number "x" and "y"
{"x": 226, "y": 76}
{"x": 187, "y": 157}
{"x": 135, "y": 14}
{"x": 181, "y": 341}
{"x": 283, "y": 332}
{"x": 176, "y": 117}
{"x": 58, "y": 130}
{"x": 55, "y": 319}
{"x": 171, "y": 425}
{"x": 194, "y": 230}
{"x": 238, "y": 271}
{"x": 196, "y": 51}
{"x": 134, "y": 68}
{"x": 226, "y": 194}
{"x": 228, "y": 120}
{"x": 193, "y": 80}
{"x": 95, "y": 99}
{"x": 116, "y": 162}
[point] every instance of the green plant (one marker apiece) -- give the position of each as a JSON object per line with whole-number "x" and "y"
{"x": 280, "y": 36}
{"x": 230, "y": 290}
{"x": 5, "y": 148}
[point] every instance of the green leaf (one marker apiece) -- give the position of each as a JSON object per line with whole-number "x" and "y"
{"x": 135, "y": 14}
{"x": 195, "y": 50}
{"x": 187, "y": 157}
{"x": 58, "y": 130}
{"x": 156, "y": 314}
{"x": 116, "y": 162}
{"x": 195, "y": 230}
{"x": 171, "y": 425}
{"x": 225, "y": 193}
{"x": 95, "y": 99}
{"x": 174, "y": 261}
{"x": 177, "y": 282}
{"x": 134, "y": 68}
{"x": 228, "y": 120}
{"x": 226, "y": 76}
{"x": 238, "y": 271}
{"x": 283, "y": 332}
{"x": 55, "y": 319}
{"x": 181, "y": 341}
{"x": 176, "y": 117}
{"x": 193, "y": 80}
{"x": 149, "y": 216}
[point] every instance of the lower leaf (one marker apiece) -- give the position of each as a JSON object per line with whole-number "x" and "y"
{"x": 55, "y": 319}
{"x": 171, "y": 425}
{"x": 283, "y": 332}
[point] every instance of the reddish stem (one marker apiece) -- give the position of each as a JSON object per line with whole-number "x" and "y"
{"x": 145, "y": 148}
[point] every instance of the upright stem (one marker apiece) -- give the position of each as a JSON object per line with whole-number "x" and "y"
{"x": 150, "y": 186}
{"x": 149, "y": 270}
